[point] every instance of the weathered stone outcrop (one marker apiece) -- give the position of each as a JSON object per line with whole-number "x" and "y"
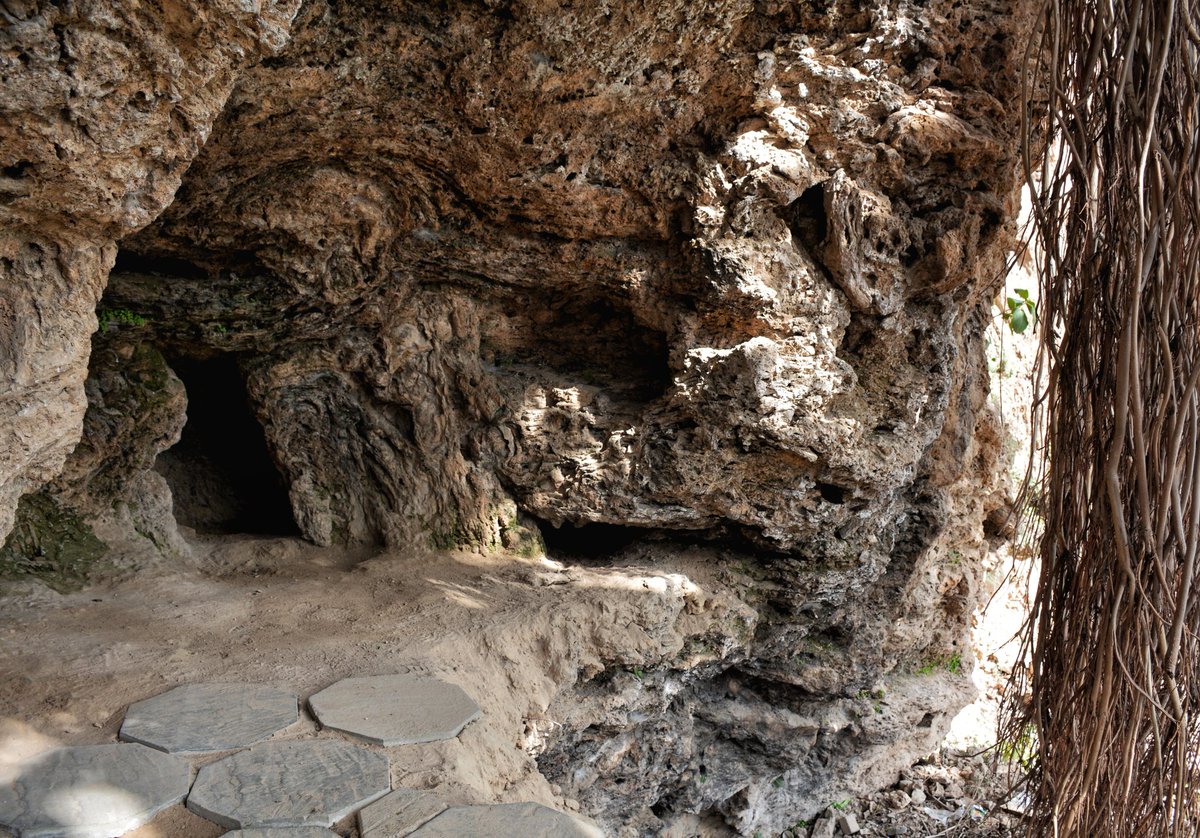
{"x": 695, "y": 272}
{"x": 102, "y": 107}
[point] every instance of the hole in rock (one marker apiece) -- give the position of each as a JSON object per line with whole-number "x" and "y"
{"x": 832, "y": 493}
{"x": 586, "y": 340}
{"x": 17, "y": 170}
{"x": 221, "y": 474}
{"x": 807, "y": 218}
{"x": 591, "y": 542}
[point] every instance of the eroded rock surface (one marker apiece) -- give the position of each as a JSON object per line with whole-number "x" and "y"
{"x": 629, "y": 278}
{"x": 102, "y": 108}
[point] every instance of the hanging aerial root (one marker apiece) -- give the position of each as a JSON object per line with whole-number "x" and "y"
{"x": 1112, "y": 647}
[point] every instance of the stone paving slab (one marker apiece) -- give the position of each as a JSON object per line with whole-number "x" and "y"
{"x": 393, "y": 710}
{"x": 92, "y": 791}
{"x": 283, "y": 832}
{"x": 508, "y": 820}
{"x": 196, "y": 718}
{"x": 304, "y": 783}
{"x": 398, "y": 813}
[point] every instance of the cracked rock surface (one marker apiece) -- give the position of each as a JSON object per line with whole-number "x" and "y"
{"x": 627, "y": 281}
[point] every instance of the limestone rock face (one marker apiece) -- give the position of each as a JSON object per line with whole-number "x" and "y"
{"x": 102, "y": 107}
{"x": 635, "y": 277}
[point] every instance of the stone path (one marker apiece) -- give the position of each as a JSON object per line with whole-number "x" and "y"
{"x": 508, "y": 820}
{"x": 398, "y": 813}
{"x": 210, "y": 717}
{"x": 286, "y": 789}
{"x": 94, "y": 791}
{"x": 304, "y": 783}
{"x": 394, "y": 710}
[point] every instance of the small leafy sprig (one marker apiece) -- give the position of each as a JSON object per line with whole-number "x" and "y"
{"x": 1021, "y": 312}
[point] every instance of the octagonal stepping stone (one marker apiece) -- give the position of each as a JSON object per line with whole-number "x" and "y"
{"x": 395, "y": 709}
{"x": 308, "y": 783}
{"x": 398, "y": 813}
{"x": 508, "y": 820}
{"x": 283, "y": 832}
{"x": 92, "y": 791}
{"x": 195, "y": 718}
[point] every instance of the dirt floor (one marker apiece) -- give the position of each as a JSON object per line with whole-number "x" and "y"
{"x": 282, "y": 612}
{"x": 512, "y": 632}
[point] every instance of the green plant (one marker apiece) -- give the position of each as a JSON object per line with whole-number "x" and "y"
{"x": 1020, "y": 311}
{"x": 118, "y": 316}
{"x": 777, "y": 782}
{"x": 220, "y": 329}
{"x": 638, "y": 672}
{"x": 841, "y": 805}
{"x": 1023, "y": 749}
{"x": 950, "y": 663}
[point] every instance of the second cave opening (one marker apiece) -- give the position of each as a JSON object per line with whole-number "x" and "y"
{"x": 221, "y": 473}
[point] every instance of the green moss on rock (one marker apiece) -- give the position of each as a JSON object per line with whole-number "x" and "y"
{"x": 51, "y": 544}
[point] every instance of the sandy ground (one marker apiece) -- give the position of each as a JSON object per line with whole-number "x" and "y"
{"x": 511, "y": 632}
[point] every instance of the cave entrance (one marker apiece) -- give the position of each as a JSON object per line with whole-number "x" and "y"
{"x": 221, "y": 474}
{"x": 590, "y": 542}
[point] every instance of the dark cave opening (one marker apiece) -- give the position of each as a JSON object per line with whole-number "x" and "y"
{"x": 808, "y": 219}
{"x": 129, "y": 261}
{"x": 589, "y": 542}
{"x": 584, "y": 339}
{"x": 221, "y": 474}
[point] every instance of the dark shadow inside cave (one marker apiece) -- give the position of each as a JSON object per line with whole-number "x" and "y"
{"x": 583, "y": 338}
{"x": 221, "y": 474}
{"x": 589, "y": 542}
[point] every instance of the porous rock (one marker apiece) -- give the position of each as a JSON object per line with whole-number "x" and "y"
{"x": 622, "y": 277}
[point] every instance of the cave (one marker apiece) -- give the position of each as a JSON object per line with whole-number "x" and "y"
{"x": 591, "y": 542}
{"x": 437, "y": 277}
{"x": 222, "y": 476}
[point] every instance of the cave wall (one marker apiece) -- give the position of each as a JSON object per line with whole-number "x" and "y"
{"x": 714, "y": 272}
{"x": 102, "y": 108}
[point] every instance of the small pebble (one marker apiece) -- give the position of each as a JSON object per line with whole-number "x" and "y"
{"x": 897, "y": 799}
{"x": 848, "y": 824}
{"x": 918, "y": 796}
{"x": 823, "y": 828}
